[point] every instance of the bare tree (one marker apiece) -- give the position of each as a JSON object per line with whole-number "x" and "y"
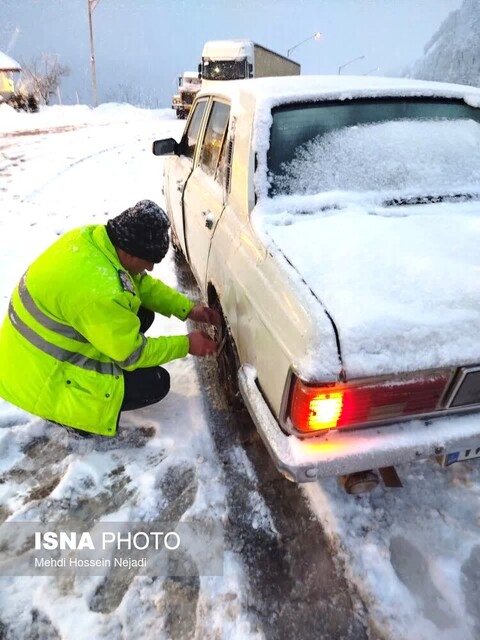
{"x": 136, "y": 96}
{"x": 121, "y": 93}
{"x": 42, "y": 76}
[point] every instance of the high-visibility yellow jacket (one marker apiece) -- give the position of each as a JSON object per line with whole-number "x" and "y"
{"x": 72, "y": 328}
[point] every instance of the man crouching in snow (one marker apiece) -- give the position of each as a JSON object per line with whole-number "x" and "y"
{"x": 72, "y": 347}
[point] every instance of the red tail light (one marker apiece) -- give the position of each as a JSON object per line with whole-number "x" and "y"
{"x": 318, "y": 408}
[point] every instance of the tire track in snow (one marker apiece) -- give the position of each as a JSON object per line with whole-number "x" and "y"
{"x": 297, "y": 587}
{"x": 36, "y": 192}
{"x": 70, "y": 137}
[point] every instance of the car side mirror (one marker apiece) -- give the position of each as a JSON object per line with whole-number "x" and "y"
{"x": 166, "y": 147}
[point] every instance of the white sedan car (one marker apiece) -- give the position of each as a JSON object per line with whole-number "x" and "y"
{"x": 335, "y": 222}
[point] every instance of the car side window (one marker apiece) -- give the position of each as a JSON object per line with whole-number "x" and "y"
{"x": 190, "y": 136}
{"x": 214, "y": 140}
{"x": 220, "y": 173}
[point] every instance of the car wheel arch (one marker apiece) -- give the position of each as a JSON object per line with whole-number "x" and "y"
{"x": 228, "y": 358}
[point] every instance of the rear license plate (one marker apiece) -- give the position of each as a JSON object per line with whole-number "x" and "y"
{"x": 466, "y": 391}
{"x": 459, "y": 456}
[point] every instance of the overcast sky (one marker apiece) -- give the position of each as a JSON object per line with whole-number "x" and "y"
{"x": 141, "y": 46}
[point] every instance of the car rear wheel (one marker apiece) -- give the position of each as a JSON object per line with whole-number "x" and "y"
{"x": 228, "y": 362}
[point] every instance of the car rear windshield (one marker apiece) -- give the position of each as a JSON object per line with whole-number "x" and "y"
{"x": 395, "y": 145}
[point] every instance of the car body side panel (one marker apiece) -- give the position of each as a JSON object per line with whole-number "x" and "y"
{"x": 242, "y": 196}
{"x": 203, "y": 206}
{"x": 177, "y": 171}
{"x": 271, "y": 327}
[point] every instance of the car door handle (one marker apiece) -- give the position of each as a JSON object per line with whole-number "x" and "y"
{"x": 180, "y": 185}
{"x": 209, "y": 218}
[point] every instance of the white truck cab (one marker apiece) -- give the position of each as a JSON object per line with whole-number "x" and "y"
{"x": 240, "y": 59}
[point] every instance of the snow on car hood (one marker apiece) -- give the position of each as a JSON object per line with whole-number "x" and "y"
{"x": 402, "y": 284}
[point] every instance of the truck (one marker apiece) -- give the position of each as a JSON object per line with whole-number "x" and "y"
{"x": 188, "y": 86}
{"x": 238, "y": 59}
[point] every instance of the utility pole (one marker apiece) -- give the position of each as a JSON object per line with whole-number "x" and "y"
{"x": 91, "y": 6}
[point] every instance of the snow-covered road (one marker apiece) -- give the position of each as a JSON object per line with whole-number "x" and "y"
{"x": 50, "y": 182}
{"x": 412, "y": 554}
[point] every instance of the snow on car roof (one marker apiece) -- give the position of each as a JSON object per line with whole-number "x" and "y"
{"x": 269, "y": 92}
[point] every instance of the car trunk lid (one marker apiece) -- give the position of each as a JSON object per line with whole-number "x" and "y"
{"x": 402, "y": 284}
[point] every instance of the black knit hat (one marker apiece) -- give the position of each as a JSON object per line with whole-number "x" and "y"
{"x": 141, "y": 231}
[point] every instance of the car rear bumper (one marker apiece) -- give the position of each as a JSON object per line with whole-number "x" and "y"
{"x": 343, "y": 452}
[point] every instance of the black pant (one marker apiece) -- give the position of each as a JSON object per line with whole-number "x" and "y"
{"x": 148, "y": 385}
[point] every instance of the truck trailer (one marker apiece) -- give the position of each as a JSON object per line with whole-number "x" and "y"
{"x": 239, "y": 59}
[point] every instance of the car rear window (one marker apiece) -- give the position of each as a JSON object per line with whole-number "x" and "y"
{"x": 381, "y": 144}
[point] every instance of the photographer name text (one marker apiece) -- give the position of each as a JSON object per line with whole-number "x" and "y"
{"x": 77, "y": 563}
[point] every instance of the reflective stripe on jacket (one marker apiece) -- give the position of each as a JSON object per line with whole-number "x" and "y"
{"x": 72, "y": 328}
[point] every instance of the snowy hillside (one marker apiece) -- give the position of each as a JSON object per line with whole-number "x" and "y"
{"x": 453, "y": 54}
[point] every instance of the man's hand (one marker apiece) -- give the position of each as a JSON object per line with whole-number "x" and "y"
{"x": 201, "y": 344}
{"x": 205, "y": 314}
